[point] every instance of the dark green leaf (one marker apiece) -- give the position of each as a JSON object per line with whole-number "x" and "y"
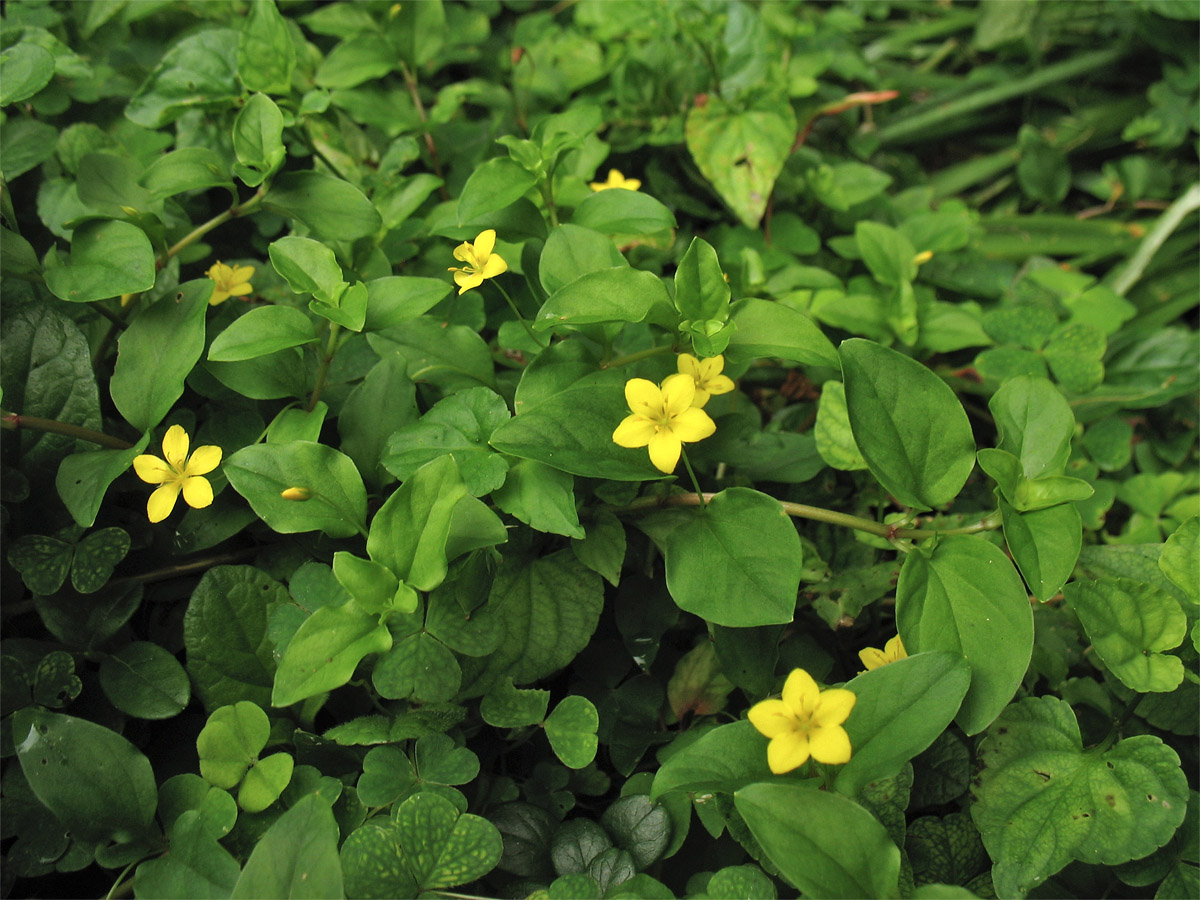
{"x": 145, "y": 681}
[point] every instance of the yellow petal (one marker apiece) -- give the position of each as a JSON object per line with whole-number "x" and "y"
{"x": 787, "y": 752}
{"x": 218, "y": 297}
{"x": 218, "y": 271}
{"x": 701, "y": 397}
{"x": 630, "y": 184}
{"x": 894, "y": 649}
{"x": 162, "y": 501}
{"x": 644, "y": 398}
{"x": 665, "y": 448}
{"x": 485, "y": 243}
{"x": 242, "y": 274}
{"x": 711, "y": 367}
{"x": 203, "y": 460}
{"x": 467, "y": 280}
{"x": 464, "y": 253}
{"x": 634, "y": 431}
{"x": 239, "y": 290}
{"x": 834, "y": 707}
{"x": 688, "y": 365}
{"x": 494, "y": 266}
{"x": 872, "y": 658}
{"x": 719, "y": 384}
{"x": 678, "y": 391}
{"x": 772, "y": 718}
{"x": 197, "y": 492}
{"x": 693, "y": 425}
{"x": 175, "y": 447}
{"x": 800, "y": 692}
{"x": 151, "y": 469}
{"x": 830, "y": 745}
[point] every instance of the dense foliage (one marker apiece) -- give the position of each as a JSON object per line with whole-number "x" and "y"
{"x": 655, "y": 448}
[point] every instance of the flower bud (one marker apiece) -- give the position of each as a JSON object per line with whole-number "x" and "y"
{"x": 296, "y": 493}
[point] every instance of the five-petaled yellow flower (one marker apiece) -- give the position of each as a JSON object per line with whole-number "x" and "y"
{"x": 707, "y": 375}
{"x": 663, "y": 418}
{"x": 230, "y": 281}
{"x": 616, "y": 180}
{"x": 892, "y": 651}
{"x": 480, "y": 261}
{"x": 177, "y": 473}
{"x": 806, "y": 722}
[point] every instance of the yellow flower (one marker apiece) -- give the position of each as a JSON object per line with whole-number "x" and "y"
{"x": 662, "y": 418}
{"x": 177, "y": 473}
{"x": 893, "y": 650}
{"x": 707, "y": 375}
{"x": 230, "y": 282}
{"x": 480, "y": 261}
{"x": 806, "y": 722}
{"x": 616, "y": 180}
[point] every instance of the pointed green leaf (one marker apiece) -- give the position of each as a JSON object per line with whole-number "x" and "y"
{"x": 324, "y": 653}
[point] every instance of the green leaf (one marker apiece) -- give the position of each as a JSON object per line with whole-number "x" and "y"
{"x": 372, "y": 585}
{"x": 197, "y": 866}
{"x": 418, "y": 31}
{"x": 724, "y": 759}
{"x": 603, "y": 548}
{"x": 908, "y": 424}
{"x": 297, "y": 857}
{"x": 157, "y": 352}
{"x": 444, "y": 848}
{"x": 326, "y": 650}
{"x": 505, "y": 706}
{"x": 438, "y": 761}
{"x": 42, "y": 561}
{"x": 97, "y": 784}
{"x": 374, "y": 863}
{"x": 736, "y": 562}
{"x": 965, "y": 596}
{"x": 576, "y": 845}
{"x": 1131, "y": 625}
{"x": 740, "y": 883}
{"x": 146, "y": 681}
{"x": 452, "y": 357}
{"x": 230, "y": 742}
{"x": 258, "y": 140}
{"x": 572, "y": 252}
{"x": 835, "y": 440}
{"x": 363, "y": 57}
{"x": 279, "y": 374}
{"x": 623, "y": 212}
{"x": 572, "y": 430}
{"x": 265, "y": 53}
{"x": 1034, "y": 422}
{"x": 946, "y": 849}
{"x": 701, "y": 291}
{"x": 215, "y": 808}
{"x": 25, "y": 144}
{"x": 901, "y": 709}
{"x": 549, "y": 608}
{"x": 541, "y": 497}
{"x": 198, "y": 71}
{"x": 229, "y": 655}
{"x": 1180, "y": 559}
{"x": 338, "y": 506}
{"x": 265, "y": 781}
{"x": 410, "y": 532}
{"x": 638, "y": 826}
{"x": 1042, "y": 800}
{"x": 55, "y": 683}
{"x": 108, "y": 258}
{"x": 826, "y": 845}
{"x": 261, "y": 331}
{"x": 1044, "y": 544}
{"x": 741, "y": 152}
{"x": 395, "y": 299}
{"x": 109, "y": 185}
{"x": 309, "y": 267}
{"x": 459, "y": 425}
{"x": 384, "y": 402}
{"x": 765, "y": 328}
{"x": 421, "y": 667}
{"x": 387, "y": 776}
{"x": 1074, "y": 353}
{"x": 493, "y": 185}
{"x": 183, "y": 170}
{"x": 619, "y": 294}
{"x": 571, "y": 729}
{"x": 25, "y": 69}
{"x": 887, "y": 253}
{"x": 334, "y": 209}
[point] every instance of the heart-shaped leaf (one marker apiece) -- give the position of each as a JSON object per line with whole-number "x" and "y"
{"x": 571, "y": 729}
{"x": 96, "y": 556}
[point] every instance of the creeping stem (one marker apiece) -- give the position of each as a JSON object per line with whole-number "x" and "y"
{"x": 819, "y": 514}
{"x": 15, "y": 422}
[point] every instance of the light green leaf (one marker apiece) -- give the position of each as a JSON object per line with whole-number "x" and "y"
{"x": 108, "y": 258}
{"x": 309, "y": 267}
{"x": 395, "y": 299}
{"x": 324, "y": 653}
{"x": 1044, "y": 544}
{"x": 25, "y": 69}
{"x": 965, "y": 596}
{"x": 1180, "y": 558}
{"x": 265, "y": 53}
{"x": 571, "y": 729}
{"x": 772, "y": 329}
{"x": 623, "y": 212}
{"x": 334, "y": 209}
{"x": 265, "y": 781}
{"x": 297, "y": 857}
{"x": 363, "y": 57}
{"x": 198, "y": 71}
{"x": 572, "y": 252}
{"x": 230, "y": 742}
{"x": 887, "y": 253}
{"x": 908, "y": 424}
{"x": 835, "y": 440}
{"x": 736, "y": 562}
{"x": 1043, "y": 801}
{"x": 826, "y": 845}
{"x": 541, "y": 497}
{"x": 619, "y": 294}
{"x": 261, "y": 331}
{"x": 1131, "y": 625}
{"x": 493, "y": 185}
{"x": 258, "y": 140}
{"x": 505, "y": 706}
{"x": 183, "y": 170}
{"x": 1034, "y": 422}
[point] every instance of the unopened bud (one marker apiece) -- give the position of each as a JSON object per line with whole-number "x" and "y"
{"x": 923, "y": 257}
{"x": 296, "y": 493}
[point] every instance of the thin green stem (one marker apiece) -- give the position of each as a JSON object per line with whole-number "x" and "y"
{"x": 15, "y": 422}
{"x": 547, "y": 188}
{"x": 662, "y": 350}
{"x": 520, "y": 318}
{"x": 331, "y": 346}
{"x": 692, "y": 474}
{"x": 121, "y": 887}
{"x": 1166, "y": 224}
{"x": 819, "y": 514}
